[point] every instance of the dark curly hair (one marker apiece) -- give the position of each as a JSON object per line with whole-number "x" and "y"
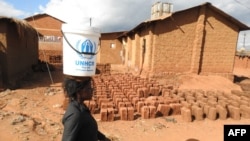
{"x": 72, "y": 86}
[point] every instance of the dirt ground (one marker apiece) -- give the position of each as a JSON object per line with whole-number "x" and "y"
{"x": 34, "y": 112}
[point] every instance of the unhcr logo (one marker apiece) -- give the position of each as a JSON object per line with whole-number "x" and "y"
{"x": 86, "y": 51}
{"x": 86, "y": 47}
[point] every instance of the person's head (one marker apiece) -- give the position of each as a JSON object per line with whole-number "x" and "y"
{"x": 78, "y": 89}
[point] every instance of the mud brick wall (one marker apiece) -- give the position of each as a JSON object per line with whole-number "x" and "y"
{"x": 186, "y": 44}
{"x": 110, "y": 51}
{"x": 47, "y": 55}
{"x": 242, "y": 62}
{"x": 46, "y": 25}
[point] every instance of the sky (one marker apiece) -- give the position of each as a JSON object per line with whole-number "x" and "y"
{"x": 118, "y": 15}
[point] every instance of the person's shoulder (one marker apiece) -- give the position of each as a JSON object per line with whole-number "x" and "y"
{"x": 72, "y": 112}
{"x": 73, "y": 107}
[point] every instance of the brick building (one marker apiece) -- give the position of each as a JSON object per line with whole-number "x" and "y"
{"x": 50, "y": 41}
{"x": 111, "y": 49}
{"x": 200, "y": 40}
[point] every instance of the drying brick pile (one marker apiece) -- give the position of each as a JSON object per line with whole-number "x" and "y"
{"x": 125, "y": 97}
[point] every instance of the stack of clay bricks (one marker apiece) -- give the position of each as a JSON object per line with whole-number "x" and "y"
{"x": 102, "y": 97}
{"x": 103, "y": 68}
{"x": 128, "y": 94}
{"x": 213, "y": 105}
{"x": 122, "y": 96}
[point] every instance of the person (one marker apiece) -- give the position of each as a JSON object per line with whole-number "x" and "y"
{"x": 79, "y": 124}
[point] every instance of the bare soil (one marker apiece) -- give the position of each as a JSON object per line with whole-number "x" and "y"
{"x": 34, "y": 111}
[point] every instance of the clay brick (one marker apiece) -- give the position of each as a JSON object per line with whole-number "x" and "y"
{"x": 104, "y": 114}
{"x": 131, "y": 96}
{"x": 101, "y": 96}
{"x": 212, "y": 103}
{"x": 245, "y": 111}
{"x": 92, "y": 106}
{"x": 124, "y": 99}
{"x": 204, "y": 99}
{"x": 130, "y": 113}
{"x": 151, "y": 103}
{"x": 163, "y": 110}
{"x": 136, "y": 87}
{"x": 152, "y": 98}
{"x": 234, "y": 103}
{"x": 197, "y": 112}
{"x": 166, "y": 93}
{"x": 212, "y": 113}
{"x": 107, "y": 105}
{"x": 245, "y": 98}
{"x": 234, "y": 112}
{"x": 244, "y": 102}
{"x": 140, "y": 92}
{"x": 152, "y": 111}
{"x": 146, "y": 92}
{"x": 111, "y": 115}
{"x": 128, "y": 104}
{"x": 155, "y": 91}
{"x": 134, "y": 101}
{"x": 117, "y": 101}
{"x": 222, "y": 103}
{"x": 104, "y": 105}
{"x": 181, "y": 99}
{"x": 222, "y": 112}
{"x": 186, "y": 104}
{"x": 195, "y": 104}
{"x": 212, "y": 98}
{"x": 190, "y": 98}
{"x": 168, "y": 101}
{"x": 121, "y": 104}
{"x": 175, "y": 108}
{"x": 105, "y": 100}
{"x": 145, "y": 112}
{"x": 186, "y": 114}
{"x": 201, "y": 104}
{"x": 140, "y": 104}
{"x": 116, "y": 93}
{"x": 123, "y": 113}
{"x": 175, "y": 99}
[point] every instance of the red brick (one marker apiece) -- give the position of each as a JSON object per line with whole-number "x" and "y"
{"x": 111, "y": 114}
{"x": 197, "y": 112}
{"x": 140, "y": 104}
{"x": 163, "y": 110}
{"x": 104, "y": 114}
{"x": 186, "y": 114}
{"x": 222, "y": 112}
{"x": 175, "y": 108}
{"x": 145, "y": 112}
{"x": 152, "y": 111}
{"x": 130, "y": 113}
{"x": 123, "y": 113}
{"x": 234, "y": 112}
